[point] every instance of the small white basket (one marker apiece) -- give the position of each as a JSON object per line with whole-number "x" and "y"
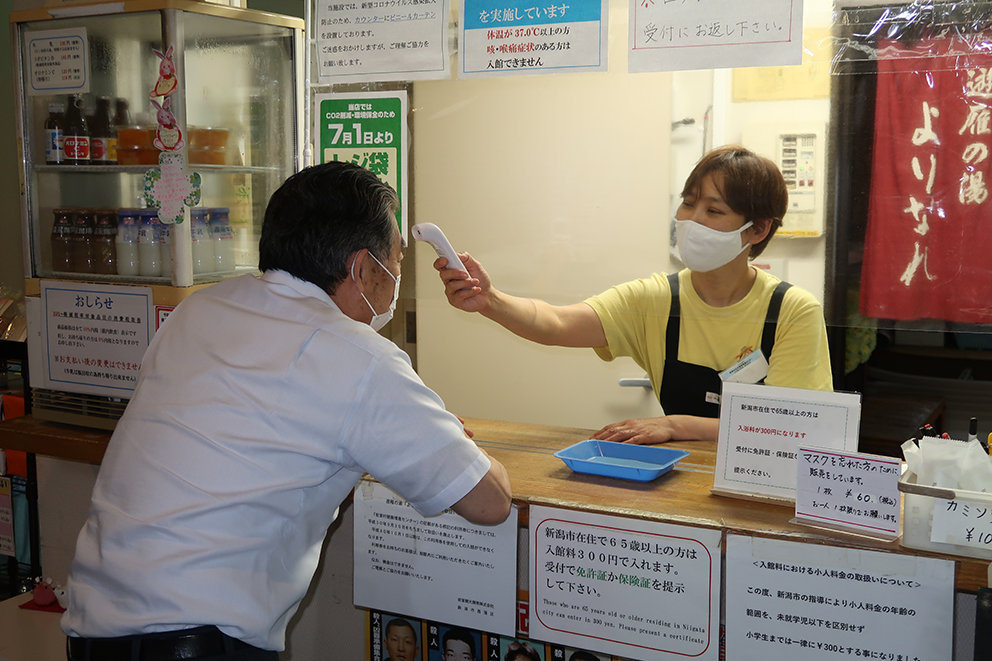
{"x": 917, "y": 516}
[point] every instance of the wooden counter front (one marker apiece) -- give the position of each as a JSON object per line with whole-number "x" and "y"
{"x": 681, "y": 496}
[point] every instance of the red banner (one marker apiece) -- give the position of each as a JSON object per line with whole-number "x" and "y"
{"x": 928, "y": 247}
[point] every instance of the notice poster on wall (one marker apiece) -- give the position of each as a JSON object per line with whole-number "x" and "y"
{"x": 788, "y": 600}
{"x": 629, "y": 587}
{"x": 761, "y": 428}
{"x": 368, "y": 129}
{"x": 94, "y": 336}
{"x": 6, "y": 517}
{"x": 442, "y": 567}
{"x": 714, "y": 34}
{"x": 381, "y": 41}
{"x": 513, "y": 37}
{"x": 58, "y": 61}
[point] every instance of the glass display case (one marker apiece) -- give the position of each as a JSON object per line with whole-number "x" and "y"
{"x": 215, "y": 91}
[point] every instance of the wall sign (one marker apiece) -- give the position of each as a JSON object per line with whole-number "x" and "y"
{"x": 787, "y": 600}
{"x": 624, "y": 586}
{"x": 367, "y": 129}
{"x": 442, "y": 567}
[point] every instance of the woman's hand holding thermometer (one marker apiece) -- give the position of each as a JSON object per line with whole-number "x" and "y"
{"x": 432, "y": 234}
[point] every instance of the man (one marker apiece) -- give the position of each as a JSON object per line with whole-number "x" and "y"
{"x": 260, "y": 404}
{"x": 401, "y": 641}
{"x": 459, "y": 645}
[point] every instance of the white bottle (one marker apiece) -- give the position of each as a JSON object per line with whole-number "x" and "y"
{"x": 203, "y": 247}
{"x": 128, "y": 222}
{"x": 149, "y": 244}
{"x": 165, "y": 247}
{"x": 222, "y": 236}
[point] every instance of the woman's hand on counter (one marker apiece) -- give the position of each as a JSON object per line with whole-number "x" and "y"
{"x": 651, "y": 431}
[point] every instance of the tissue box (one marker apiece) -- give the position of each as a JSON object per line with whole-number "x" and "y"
{"x": 917, "y": 516}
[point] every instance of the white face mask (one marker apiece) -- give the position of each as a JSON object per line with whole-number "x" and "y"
{"x": 380, "y": 320}
{"x": 705, "y": 249}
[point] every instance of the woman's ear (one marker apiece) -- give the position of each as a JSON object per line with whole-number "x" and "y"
{"x": 759, "y": 230}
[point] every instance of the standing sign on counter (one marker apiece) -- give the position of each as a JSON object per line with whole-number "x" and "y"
{"x": 512, "y": 37}
{"x": 788, "y": 600}
{"x": 58, "y": 61}
{"x": 761, "y": 428}
{"x": 367, "y": 129}
{"x": 381, "y": 41}
{"x": 714, "y": 34}
{"x": 963, "y": 521}
{"x": 441, "y": 568}
{"x": 94, "y": 336}
{"x": 624, "y": 586}
{"x": 850, "y": 492}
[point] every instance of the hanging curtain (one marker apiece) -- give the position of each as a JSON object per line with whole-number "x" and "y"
{"x": 928, "y": 244}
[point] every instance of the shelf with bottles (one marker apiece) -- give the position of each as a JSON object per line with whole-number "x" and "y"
{"x": 133, "y": 246}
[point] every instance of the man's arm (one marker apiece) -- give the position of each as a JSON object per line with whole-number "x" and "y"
{"x": 488, "y": 503}
{"x": 575, "y": 325}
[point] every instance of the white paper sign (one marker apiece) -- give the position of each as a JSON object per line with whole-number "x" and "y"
{"x": 6, "y": 517}
{"x": 761, "y": 428}
{"x": 713, "y": 34}
{"x": 512, "y": 37}
{"x": 58, "y": 61}
{"x": 94, "y": 336}
{"x": 788, "y": 600}
{"x": 442, "y": 568}
{"x": 624, "y": 586}
{"x": 848, "y": 490}
{"x": 382, "y": 41}
{"x": 962, "y": 522}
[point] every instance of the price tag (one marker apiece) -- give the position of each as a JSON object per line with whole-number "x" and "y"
{"x": 962, "y": 522}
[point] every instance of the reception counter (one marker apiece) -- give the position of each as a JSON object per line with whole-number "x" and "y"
{"x": 682, "y": 496}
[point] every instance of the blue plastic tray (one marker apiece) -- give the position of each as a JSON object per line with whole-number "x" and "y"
{"x": 624, "y": 460}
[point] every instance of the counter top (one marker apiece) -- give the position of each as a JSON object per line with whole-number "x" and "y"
{"x": 681, "y": 496}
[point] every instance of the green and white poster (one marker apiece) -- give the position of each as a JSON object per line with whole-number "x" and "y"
{"x": 368, "y": 129}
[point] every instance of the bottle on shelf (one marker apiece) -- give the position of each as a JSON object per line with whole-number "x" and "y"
{"x": 122, "y": 113}
{"x": 104, "y": 242}
{"x": 103, "y": 137}
{"x": 222, "y": 237}
{"x": 149, "y": 244}
{"x": 83, "y": 224}
{"x": 62, "y": 240}
{"x": 128, "y": 223}
{"x": 55, "y": 134}
{"x": 202, "y": 246}
{"x": 76, "y": 142}
{"x": 165, "y": 247}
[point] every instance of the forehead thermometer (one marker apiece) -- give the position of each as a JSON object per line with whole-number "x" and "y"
{"x": 432, "y": 234}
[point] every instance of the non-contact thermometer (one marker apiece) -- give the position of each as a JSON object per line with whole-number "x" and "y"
{"x": 432, "y": 234}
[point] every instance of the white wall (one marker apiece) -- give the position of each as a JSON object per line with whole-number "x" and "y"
{"x": 560, "y": 186}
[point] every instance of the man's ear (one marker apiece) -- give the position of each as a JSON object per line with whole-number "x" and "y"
{"x": 357, "y": 260}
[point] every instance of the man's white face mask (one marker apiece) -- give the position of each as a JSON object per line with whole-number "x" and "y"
{"x": 380, "y": 320}
{"x": 705, "y": 249}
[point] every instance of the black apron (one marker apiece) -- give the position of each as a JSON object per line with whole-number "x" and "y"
{"x": 693, "y": 389}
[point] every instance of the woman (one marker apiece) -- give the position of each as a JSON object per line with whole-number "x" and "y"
{"x": 719, "y": 315}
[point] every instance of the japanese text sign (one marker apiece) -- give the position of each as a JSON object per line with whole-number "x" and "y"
{"x": 6, "y": 518}
{"x": 382, "y": 41}
{"x": 442, "y": 568}
{"x": 855, "y": 491}
{"x": 624, "y": 586}
{"x": 964, "y": 522}
{"x": 58, "y": 61}
{"x": 513, "y": 37}
{"x": 94, "y": 336}
{"x": 368, "y": 129}
{"x": 761, "y": 428}
{"x": 673, "y": 35}
{"x": 788, "y": 600}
